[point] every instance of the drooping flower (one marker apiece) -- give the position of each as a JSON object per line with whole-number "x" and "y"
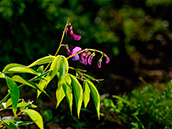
{"x": 84, "y": 57}
{"x": 99, "y": 63}
{"x": 75, "y": 50}
{"x": 91, "y": 58}
{"x": 68, "y": 50}
{"x": 70, "y": 34}
{"x": 107, "y": 59}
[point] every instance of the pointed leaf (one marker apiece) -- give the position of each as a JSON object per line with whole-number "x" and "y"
{"x": 19, "y": 79}
{"x": 24, "y": 105}
{"x": 86, "y": 91}
{"x": 78, "y": 93}
{"x": 14, "y": 92}
{"x": 22, "y": 70}
{"x": 59, "y": 95}
{"x": 35, "y": 116}
{"x": 52, "y": 72}
{"x": 10, "y": 124}
{"x": 40, "y": 69}
{"x": 63, "y": 71}
{"x": 2, "y": 75}
{"x": 68, "y": 92}
{"x": 44, "y": 60}
{"x": 95, "y": 95}
{"x": 7, "y": 67}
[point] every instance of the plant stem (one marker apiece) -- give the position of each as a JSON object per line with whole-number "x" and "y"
{"x": 103, "y": 54}
{"x": 8, "y": 95}
{"x": 59, "y": 44}
{"x": 62, "y": 38}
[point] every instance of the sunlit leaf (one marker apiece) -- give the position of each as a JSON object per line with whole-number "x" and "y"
{"x": 95, "y": 96}
{"x": 35, "y": 116}
{"x": 10, "y": 124}
{"x": 86, "y": 91}
{"x": 68, "y": 91}
{"x": 2, "y": 75}
{"x": 23, "y": 105}
{"x": 22, "y": 70}
{"x": 7, "y": 67}
{"x": 14, "y": 93}
{"x": 52, "y": 72}
{"x": 63, "y": 70}
{"x": 59, "y": 95}
{"x": 19, "y": 79}
{"x": 8, "y": 103}
{"x": 40, "y": 69}
{"x": 78, "y": 93}
{"x": 43, "y": 60}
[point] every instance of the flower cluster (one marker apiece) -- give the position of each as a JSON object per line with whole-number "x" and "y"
{"x": 86, "y": 55}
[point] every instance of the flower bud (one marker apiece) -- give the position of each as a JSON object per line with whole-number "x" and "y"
{"x": 68, "y": 50}
{"x": 107, "y": 59}
{"x": 91, "y": 58}
{"x": 99, "y": 63}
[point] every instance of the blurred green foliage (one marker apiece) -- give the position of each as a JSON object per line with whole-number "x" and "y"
{"x": 146, "y": 107}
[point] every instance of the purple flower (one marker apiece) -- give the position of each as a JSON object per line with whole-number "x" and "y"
{"x": 70, "y": 34}
{"x": 91, "y": 58}
{"x": 75, "y": 50}
{"x": 99, "y": 63}
{"x": 68, "y": 50}
{"x": 107, "y": 59}
{"x": 84, "y": 57}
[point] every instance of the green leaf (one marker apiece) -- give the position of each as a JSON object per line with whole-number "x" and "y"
{"x": 35, "y": 116}
{"x": 63, "y": 71}
{"x": 52, "y": 72}
{"x": 59, "y": 95}
{"x": 10, "y": 124}
{"x": 78, "y": 93}
{"x": 95, "y": 96}
{"x": 68, "y": 91}
{"x": 9, "y": 66}
{"x": 14, "y": 92}
{"x": 41, "y": 69}
{"x": 19, "y": 79}
{"x": 22, "y": 70}
{"x": 87, "y": 91}
{"x": 2, "y": 75}
{"x": 8, "y": 103}
{"x": 23, "y": 105}
{"x": 44, "y": 60}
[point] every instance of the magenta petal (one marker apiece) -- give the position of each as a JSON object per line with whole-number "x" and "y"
{"x": 99, "y": 63}
{"x": 75, "y": 36}
{"x": 70, "y": 34}
{"x": 68, "y": 50}
{"x": 83, "y": 58}
{"x": 107, "y": 59}
{"x": 91, "y": 58}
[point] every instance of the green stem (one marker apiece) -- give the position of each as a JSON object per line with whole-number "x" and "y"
{"x": 59, "y": 44}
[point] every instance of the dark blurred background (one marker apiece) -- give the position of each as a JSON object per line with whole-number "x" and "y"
{"x": 136, "y": 34}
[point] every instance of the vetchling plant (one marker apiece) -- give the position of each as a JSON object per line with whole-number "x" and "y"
{"x": 50, "y": 67}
